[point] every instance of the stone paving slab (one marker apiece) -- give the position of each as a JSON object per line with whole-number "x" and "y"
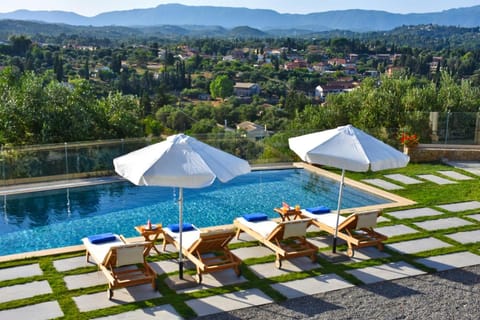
{"x": 23, "y": 291}
{"x": 396, "y": 230}
{"x": 390, "y": 271}
{"x": 70, "y": 263}
{"x": 268, "y": 270}
{"x": 418, "y": 245}
{"x": 367, "y": 253}
{"x": 100, "y": 300}
{"x": 414, "y": 213}
{"x": 163, "y": 312}
{"x": 383, "y": 184}
{"x": 464, "y": 164}
{"x": 324, "y": 241}
{"x": 440, "y": 224}
{"x": 451, "y": 261}
{"x": 244, "y": 237}
{"x": 436, "y": 179}
{"x": 166, "y": 266}
{"x": 403, "y": 178}
{"x": 312, "y": 285}
{"x": 252, "y": 252}
{"x": 466, "y": 236}
{"x": 461, "y": 206}
{"x": 216, "y": 280}
{"x": 474, "y": 216}
{"x": 382, "y": 219}
{"x": 85, "y": 280}
{"x": 40, "y": 311}
{"x": 455, "y": 175}
{"x": 472, "y": 171}
{"x": 229, "y": 301}
{"x": 30, "y": 270}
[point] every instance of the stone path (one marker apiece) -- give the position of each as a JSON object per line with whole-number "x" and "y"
{"x": 414, "y": 213}
{"x": 383, "y": 184}
{"x": 384, "y": 272}
{"x": 244, "y": 298}
{"x": 451, "y": 261}
{"x": 462, "y": 206}
{"x": 440, "y": 224}
{"x": 436, "y": 179}
{"x": 403, "y": 178}
{"x": 455, "y": 175}
{"x": 418, "y": 245}
{"x": 443, "y": 177}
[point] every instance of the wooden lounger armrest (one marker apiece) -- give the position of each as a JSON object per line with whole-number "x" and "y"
{"x": 351, "y": 219}
{"x": 275, "y": 232}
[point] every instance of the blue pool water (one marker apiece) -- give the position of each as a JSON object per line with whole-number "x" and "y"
{"x": 44, "y": 220}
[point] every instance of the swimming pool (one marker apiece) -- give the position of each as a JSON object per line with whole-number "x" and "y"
{"x": 59, "y": 218}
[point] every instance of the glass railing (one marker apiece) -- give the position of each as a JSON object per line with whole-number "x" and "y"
{"x": 87, "y": 159}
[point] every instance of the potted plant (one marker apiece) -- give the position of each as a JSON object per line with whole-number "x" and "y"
{"x": 408, "y": 141}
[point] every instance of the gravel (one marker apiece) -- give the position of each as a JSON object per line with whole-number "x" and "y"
{"x": 452, "y": 294}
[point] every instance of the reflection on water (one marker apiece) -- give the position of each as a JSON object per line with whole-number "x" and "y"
{"x": 62, "y": 217}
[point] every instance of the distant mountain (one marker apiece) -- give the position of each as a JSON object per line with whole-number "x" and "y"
{"x": 47, "y": 16}
{"x": 226, "y": 17}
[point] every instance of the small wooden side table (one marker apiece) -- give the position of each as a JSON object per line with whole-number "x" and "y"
{"x": 150, "y": 235}
{"x": 289, "y": 214}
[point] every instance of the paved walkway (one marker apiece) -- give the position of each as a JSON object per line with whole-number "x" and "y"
{"x": 396, "y": 181}
{"x": 303, "y": 278}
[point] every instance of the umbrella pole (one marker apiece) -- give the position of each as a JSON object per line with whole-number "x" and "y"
{"x": 180, "y": 229}
{"x": 339, "y": 205}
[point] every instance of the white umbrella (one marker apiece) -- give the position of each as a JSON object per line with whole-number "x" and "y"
{"x": 179, "y": 161}
{"x": 347, "y": 148}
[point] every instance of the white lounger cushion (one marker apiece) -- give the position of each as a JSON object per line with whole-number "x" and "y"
{"x": 99, "y": 251}
{"x": 329, "y": 219}
{"x": 264, "y": 228}
{"x": 188, "y": 237}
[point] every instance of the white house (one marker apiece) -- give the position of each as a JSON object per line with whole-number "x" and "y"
{"x": 321, "y": 91}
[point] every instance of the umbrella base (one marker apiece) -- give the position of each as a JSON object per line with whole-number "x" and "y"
{"x": 175, "y": 283}
{"x": 334, "y": 257}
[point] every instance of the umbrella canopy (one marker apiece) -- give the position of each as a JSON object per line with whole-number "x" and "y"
{"x": 347, "y": 148}
{"x": 179, "y": 161}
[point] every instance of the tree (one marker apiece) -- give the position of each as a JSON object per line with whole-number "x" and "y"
{"x": 58, "y": 67}
{"x": 86, "y": 70}
{"x": 221, "y": 87}
{"x": 123, "y": 115}
{"x": 116, "y": 64}
{"x": 20, "y": 45}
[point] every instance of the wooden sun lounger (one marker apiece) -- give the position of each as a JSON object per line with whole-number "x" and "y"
{"x": 208, "y": 250}
{"x": 287, "y": 238}
{"x": 123, "y": 264}
{"x": 356, "y": 229}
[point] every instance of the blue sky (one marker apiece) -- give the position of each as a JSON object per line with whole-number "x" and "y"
{"x": 93, "y": 7}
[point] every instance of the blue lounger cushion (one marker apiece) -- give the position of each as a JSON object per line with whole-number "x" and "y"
{"x": 318, "y": 210}
{"x": 257, "y": 216}
{"x": 185, "y": 227}
{"x": 102, "y": 238}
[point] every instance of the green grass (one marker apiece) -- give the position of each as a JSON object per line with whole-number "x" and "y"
{"x": 426, "y": 194}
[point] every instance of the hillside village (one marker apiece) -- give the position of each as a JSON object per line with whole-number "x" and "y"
{"x": 148, "y": 87}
